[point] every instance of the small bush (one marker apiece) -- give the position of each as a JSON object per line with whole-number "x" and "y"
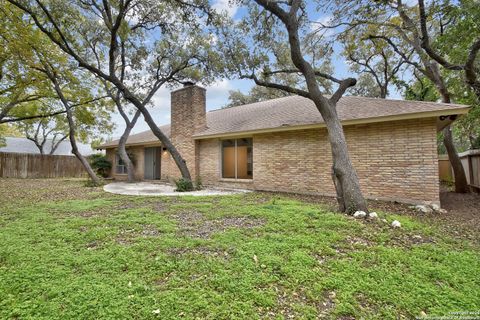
{"x": 100, "y": 164}
{"x": 183, "y": 185}
{"x": 198, "y": 183}
{"x": 92, "y": 184}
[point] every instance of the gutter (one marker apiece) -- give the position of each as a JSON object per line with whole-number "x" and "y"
{"x": 409, "y": 116}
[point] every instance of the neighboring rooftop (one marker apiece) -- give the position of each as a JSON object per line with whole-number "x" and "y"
{"x": 23, "y": 145}
{"x": 294, "y": 112}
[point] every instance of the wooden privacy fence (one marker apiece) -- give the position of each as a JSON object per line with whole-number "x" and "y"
{"x": 26, "y": 165}
{"x": 471, "y": 164}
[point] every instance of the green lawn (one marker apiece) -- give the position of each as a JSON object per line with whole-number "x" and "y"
{"x": 68, "y": 251}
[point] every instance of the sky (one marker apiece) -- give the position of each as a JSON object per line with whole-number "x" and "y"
{"x": 218, "y": 92}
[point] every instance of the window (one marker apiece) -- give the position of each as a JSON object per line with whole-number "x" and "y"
{"x": 120, "y": 167}
{"x": 237, "y": 158}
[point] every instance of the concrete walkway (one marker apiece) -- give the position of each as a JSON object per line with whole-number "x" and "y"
{"x": 157, "y": 189}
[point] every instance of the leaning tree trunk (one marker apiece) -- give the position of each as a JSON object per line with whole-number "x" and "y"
{"x": 122, "y": 152}
{"x": 73, "y": 142}
{"x": 461, "y": 185}
{"x": 179, "y": 161}
{"x": 345, "y": 179}
{"x": 82, "y": 159}
{"x": 71, "y": 128}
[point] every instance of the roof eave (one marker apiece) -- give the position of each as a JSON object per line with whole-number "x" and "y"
{"x": 410, "y": 116}
{"x": 136, "y": 144}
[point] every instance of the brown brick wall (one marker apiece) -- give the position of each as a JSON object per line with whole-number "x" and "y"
{"x": 169, "y": 170}
{"x": 139, "y": 155}
{"x": 394, "y": 160}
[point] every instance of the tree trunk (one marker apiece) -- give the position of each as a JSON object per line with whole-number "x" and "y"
{"x": 122, "y": 152}
{"x": 383, "y": 91}
{"x": 71, "y": 127}
{"x": 349, "y": 195}
{"x": 345, "y": 179}
{"x": 75, "y": 151}
{"x": 82, "y": 159}
{"x": 179, "y": 161}
{"x": 461, "y": 185}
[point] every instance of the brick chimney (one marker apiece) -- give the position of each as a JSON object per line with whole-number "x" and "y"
{"x": 188, "y": 117}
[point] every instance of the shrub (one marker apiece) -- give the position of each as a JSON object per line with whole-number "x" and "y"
{"x": 198, "y": 183}
{"x": 100, "y": 164}
{"x": 92, "y": 184}
{"x": 183, "y": 185}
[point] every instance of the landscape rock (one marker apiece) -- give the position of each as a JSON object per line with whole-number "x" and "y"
{"x": 423, "y": 208}
{"x": 442, "y": 211}
{"x": 396, "y": 224}
{"x": 435, "y": 207}
{"x": 373, "y": 215}
{"x": 360, "y": 214}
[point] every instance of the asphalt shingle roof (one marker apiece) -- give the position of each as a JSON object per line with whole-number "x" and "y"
{"x": 23, "y": 145}
{"x": 299, "y": 111}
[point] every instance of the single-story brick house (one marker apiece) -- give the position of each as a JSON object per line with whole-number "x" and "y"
{"x": 281, "y": 145}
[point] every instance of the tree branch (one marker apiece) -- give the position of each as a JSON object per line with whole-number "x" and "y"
{"x": 276, "y": 86}
{"x": 425, "y": 41}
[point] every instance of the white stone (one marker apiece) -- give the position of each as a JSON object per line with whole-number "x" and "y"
{"x": 423, "y": 209}
{"x": 435, "y": 207}
{"x": 442, "y": 211}
{"x": 373, "y": 215}
{"x": 396, "y": 224}
{"x": 360, "y": 214}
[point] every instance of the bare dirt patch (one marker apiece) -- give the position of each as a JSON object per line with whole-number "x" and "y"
{"x": 410, "y": 240}
{"x": 463, "y": 213}
{"x": 128, "y": 236}
{"x": 287, "y": 301}
{"x": 195, "y": 224}
{"x": 18, "y": 191}
{"x": 331, "y": 204}
{"x": 127, "y": 206}
{"x": 160, "y": 207}
{"x": 93, "y": 245}
{"x": 202, "y": 251}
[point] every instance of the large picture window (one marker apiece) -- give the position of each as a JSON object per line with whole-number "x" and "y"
{"x": 237, "y": 158}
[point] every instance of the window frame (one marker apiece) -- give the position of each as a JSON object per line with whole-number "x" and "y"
{"x": 119, "y": 164}
{"x": 235, "y": 146}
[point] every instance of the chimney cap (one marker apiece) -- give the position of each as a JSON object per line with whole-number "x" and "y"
{"x": 188, "y": 83}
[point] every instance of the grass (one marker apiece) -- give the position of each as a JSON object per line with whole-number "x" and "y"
{"x": 68, "y": 251}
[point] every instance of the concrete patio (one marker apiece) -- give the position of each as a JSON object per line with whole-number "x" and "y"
{"x": 162, "y": 189}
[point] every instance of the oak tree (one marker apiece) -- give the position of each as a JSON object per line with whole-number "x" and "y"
{"x": 160, "y": 43}
{"x": 274, "y": 40}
